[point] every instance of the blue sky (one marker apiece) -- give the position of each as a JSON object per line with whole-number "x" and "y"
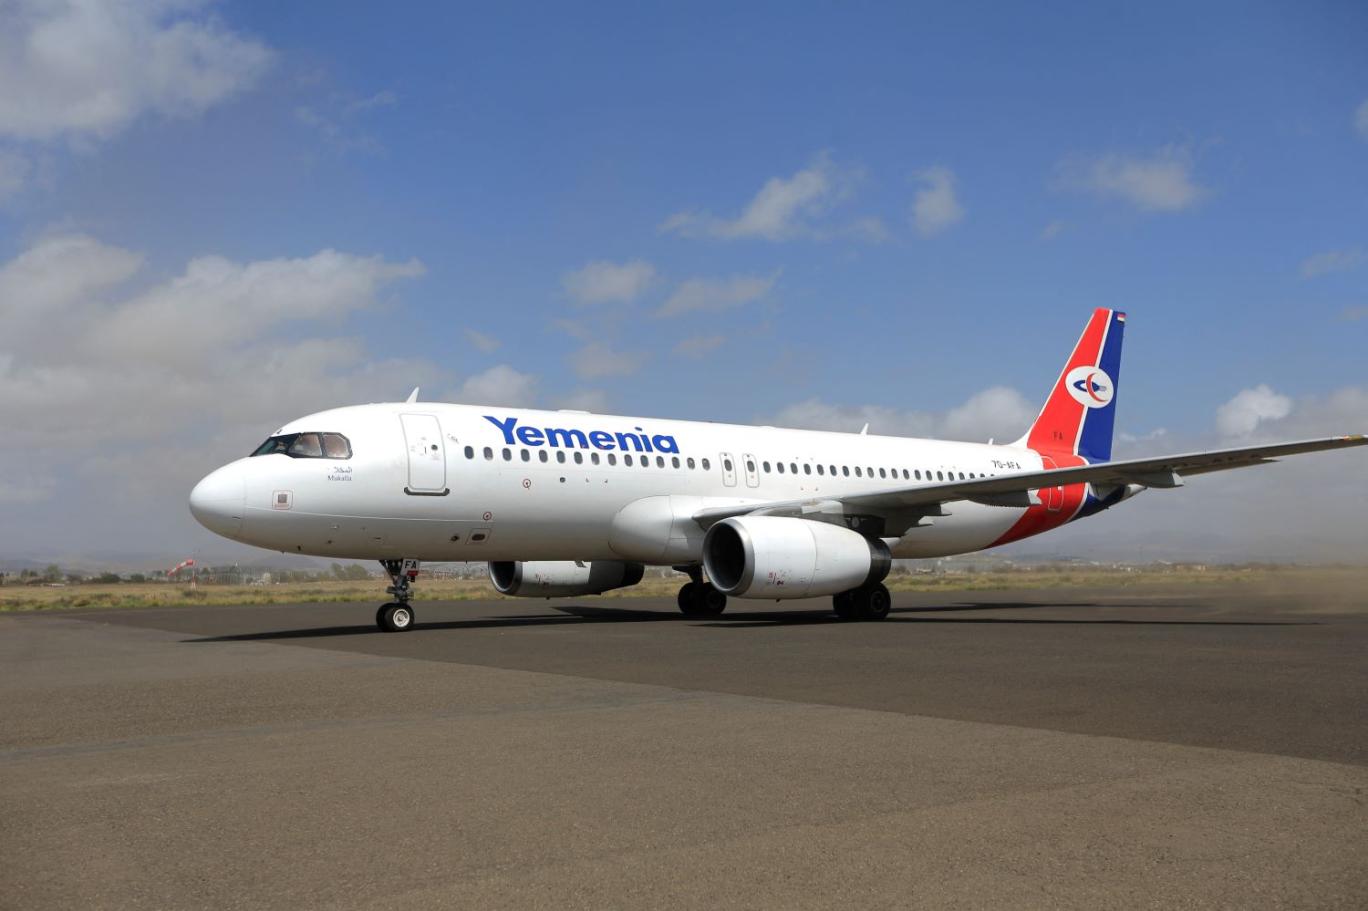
{"x": 846, "y": 211}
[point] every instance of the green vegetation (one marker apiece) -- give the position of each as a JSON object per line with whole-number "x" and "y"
{"x": 341, "y": 584}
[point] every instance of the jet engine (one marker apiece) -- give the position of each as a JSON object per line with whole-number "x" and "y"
{"x": 562, "y": 578}
{"x": 780, "y": 558}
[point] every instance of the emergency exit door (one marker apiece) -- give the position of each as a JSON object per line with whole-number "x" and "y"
{"x": 426, "y": 455}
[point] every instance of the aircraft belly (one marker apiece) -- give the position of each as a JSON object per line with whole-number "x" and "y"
{"x": 970, "y": 527}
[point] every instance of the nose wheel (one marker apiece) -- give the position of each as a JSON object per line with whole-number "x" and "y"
{"x": 398, "y": 616}
{"x": 394, "y": 618}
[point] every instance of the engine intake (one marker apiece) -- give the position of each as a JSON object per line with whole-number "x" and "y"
{"x": 562, "y": 578}
{"x": 782, "y": 558}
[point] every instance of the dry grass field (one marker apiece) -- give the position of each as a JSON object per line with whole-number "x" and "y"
{"x": 129, "y": 595}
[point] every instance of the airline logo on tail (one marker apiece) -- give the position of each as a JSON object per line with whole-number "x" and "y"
{"x": 1090, "y": 386}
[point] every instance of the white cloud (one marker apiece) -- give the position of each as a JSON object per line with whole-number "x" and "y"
{"x": 500, "y": 385}
{"x": 86, "y": 67}
{"x": 783, "y": 208}
{"x": 604, "y": 282}
{"x": 482, "y": 341}
{"x": 598, "y": 360}
{"x": 1333, "y": 261}
{"x": 84, "y": 361}
{"x": 1243, "y": 414}
{"x": 996, "y": 412}
{"x": 698, "y": 345}
{"x": 935, "y": 207}
{"x": 595, "y": 400}
{"x": 1161, "y": 182}
{"x": 216, "y": 302}
{"x": 700, "y": 294}
{"x": 1361, "y": 119}
{"x": 14, "y": 171}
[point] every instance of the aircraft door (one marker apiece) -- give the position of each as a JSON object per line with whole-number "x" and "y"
{"x": 426, "y": 455}
{"x": 728, "y": 469}
{"x": 1052, "y": 497}
{"x": 752, "y": 474}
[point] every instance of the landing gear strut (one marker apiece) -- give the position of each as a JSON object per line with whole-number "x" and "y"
{"x": 870, "y": 602}
{"x": 698, "y": 598}
{"x": 397, "y": 616}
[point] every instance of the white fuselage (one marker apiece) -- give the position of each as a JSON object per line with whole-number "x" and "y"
{"x": 453, "y": 482}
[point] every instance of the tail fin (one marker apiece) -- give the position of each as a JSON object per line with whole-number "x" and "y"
{"x": 1078, "y": 416}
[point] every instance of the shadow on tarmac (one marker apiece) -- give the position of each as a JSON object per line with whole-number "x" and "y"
{"x": 752, "y": 620}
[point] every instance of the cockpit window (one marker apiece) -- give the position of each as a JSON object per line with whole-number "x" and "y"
{"x": 332, "y": 446}
{"x": 307, "y": 446}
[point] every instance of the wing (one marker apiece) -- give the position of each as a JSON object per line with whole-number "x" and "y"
{"x": 1016, "y": 489}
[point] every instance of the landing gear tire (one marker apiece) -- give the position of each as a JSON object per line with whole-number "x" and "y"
{"x": 843, "y": 606}
{"x": 395, "y": 618}
{"x": 869, "y": 603}
{"x": 698, "y": 599}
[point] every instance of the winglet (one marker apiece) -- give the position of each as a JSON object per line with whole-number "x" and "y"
{"x": 865, "y": 429}
{"x": 413, "y": 396}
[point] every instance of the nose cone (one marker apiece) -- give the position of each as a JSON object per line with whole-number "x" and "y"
{"x": 217, "y": 501}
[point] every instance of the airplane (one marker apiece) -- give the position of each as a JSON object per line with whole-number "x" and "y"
{"x": 568, "y": 503}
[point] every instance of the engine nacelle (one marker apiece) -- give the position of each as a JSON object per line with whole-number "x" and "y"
{"x": 562, "y": 578}
{"x": 778, "y": 557}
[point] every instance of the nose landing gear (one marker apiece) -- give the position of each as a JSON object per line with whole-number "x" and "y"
{"x": 397, "y": 616}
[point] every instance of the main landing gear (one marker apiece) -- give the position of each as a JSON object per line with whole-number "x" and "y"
{"x": 698, "y": 598}
{"x": 870, "y": 602}
{"x": 397, "y": 616}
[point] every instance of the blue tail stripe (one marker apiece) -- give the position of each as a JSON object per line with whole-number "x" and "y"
{"x": 1095, "y": 442}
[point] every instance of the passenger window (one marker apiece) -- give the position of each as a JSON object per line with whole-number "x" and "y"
{"x": 917, "y": 474}
{"x": 579, "y": 458}
{"x": 907, "y": 475}
{"x": 766, "y": 466}
{"x": 807, "y": 469}
{"x": 726, "y": 465}
{"x": 507, "y": 454}
{"x": 940, "y": 476}
{"x": 882, "y": 473}
{"x": 674, "y": 460}
{"x": 961, "y": 474}
{"x": 750, "y": 466}
{"x": 470, "y": 452}
{"x": 627, "y": 459}
{"x": 526, "y": 455}
{"x": 489, "y": 453}
{"x": 660, "y": 461}
{"x": 793, "y": 467}
{"x": 845, "y": 471}
{"x": 612, "y": 458}
{"x": 593, "y": 457}
{"x": 821, "y": 469}
{"x": 335, "y": 446}
{"x": 833, "y": 471}
{"x": 646, "y": 461}
{"x": 690, "y": 462}
{"x": 707, "y": 465}
{"x": 306, "y": 446}
{"x": 560, "y": 457}
{"x": 542, "y": 456}
{"x": 858, "y": 473}
{"x": 779, "y": 466}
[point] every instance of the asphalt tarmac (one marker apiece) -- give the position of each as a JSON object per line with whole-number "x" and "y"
{"x": 1117, "y": 748}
